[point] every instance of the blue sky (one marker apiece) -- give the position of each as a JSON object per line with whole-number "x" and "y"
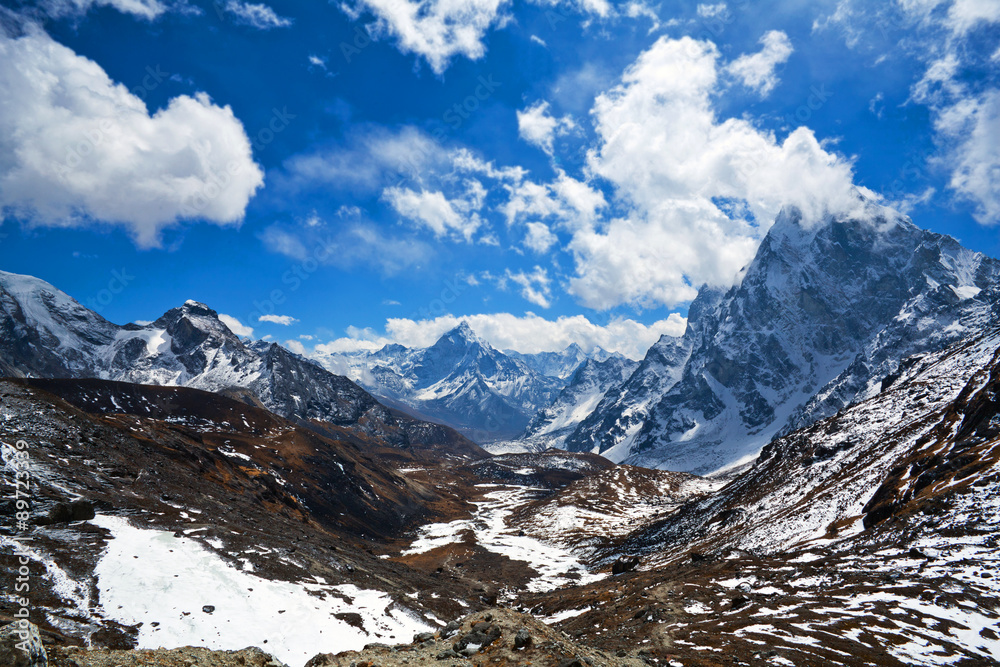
{"x": 555, "y": 172}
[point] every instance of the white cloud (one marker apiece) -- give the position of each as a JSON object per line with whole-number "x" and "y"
{"x": 236, "y": 326}
{"x": 317, "y": 61}
{"x": 582, "y": 200}
{"x": 283, "y": 320}
{"x": 636, "y": 9}
{"x": 756, "y": 70}
{"x": 707, "y": 11}
{"x": 79, "y": 148}
{"x": 440, "y": 30}
{"x": 965, "y": 15}
{"x": 354, "y": 245}
{"x": 953, "y": 40}
{"x": 435, "y": 211}
{"x": 685, "y": 190}
{"x": 972, "y": 126}
{"x": 539, "y": 128}
{"x": 437, "y": 30}
{"x": 256, "y": 15}
{"x": 690, "y": 207}
{"x": 369, "y": 160}
{"x": 539, "y": 237}
{"x": 529, "y": 333}
{"x": 296, "y": 347}
{"x": 144, "y": 9}
{"x": 535, "y": 286}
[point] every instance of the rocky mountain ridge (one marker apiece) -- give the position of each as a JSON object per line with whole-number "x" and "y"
{"x": 45, "y": 333}
{"x": 818, "y": 319}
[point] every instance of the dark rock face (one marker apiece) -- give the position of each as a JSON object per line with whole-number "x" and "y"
{"x": 78, "y": 510}
{"x": 625, "y": 564}
{"x": 482, "y": 635}
{"x": 587, "y": 387}
{"x": 624, "y": 407}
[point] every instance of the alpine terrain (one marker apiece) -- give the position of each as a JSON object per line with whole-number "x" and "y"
{"x": 820, "y": 317}
{"x": 821, "y": 482}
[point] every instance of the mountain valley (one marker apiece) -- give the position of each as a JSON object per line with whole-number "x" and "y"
{"x": 810, "y": 475}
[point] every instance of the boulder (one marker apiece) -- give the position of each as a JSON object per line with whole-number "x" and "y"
{"x": 21, "y": 645}
{"x": 625, "y": 564}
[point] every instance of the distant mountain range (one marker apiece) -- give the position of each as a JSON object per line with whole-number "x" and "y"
{"x": 45, "y": 333}
{"x": 465, "y": 382}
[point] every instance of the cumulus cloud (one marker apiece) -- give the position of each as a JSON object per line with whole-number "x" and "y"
{"x": 236, "y": 326}
{"x": 535, "y": 285}
{"x": 539, "y": 237}
{"x": 699, "y": 200}
{"x": 283, "y": 320}
{"x": 256, "y": 15}
{"x": 689, "y": 208}
{"x": 144, "y": 9}
{"x": 539, "y": 128}
{"x": 437, "y": 30}
{"x": 79, "y": 148}
{"x": 435, "y": 211}
{"x": 756, "y": 70}
{"x": 972, "y": 126}
{"x": 440, "y": 30}
{"x": 528, "y": 334}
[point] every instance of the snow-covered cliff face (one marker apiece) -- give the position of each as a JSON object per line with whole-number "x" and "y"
{"x": 461, "y": 380}
{"x": 586, "y": 389}
{"x": 42, "y": 330}
{"x": 45, "y": 333}
{"x": 819, "y": 318}
{"x": 613, "y": 424}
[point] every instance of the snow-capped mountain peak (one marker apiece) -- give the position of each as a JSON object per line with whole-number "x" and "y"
{"x": 822, "y": 313}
